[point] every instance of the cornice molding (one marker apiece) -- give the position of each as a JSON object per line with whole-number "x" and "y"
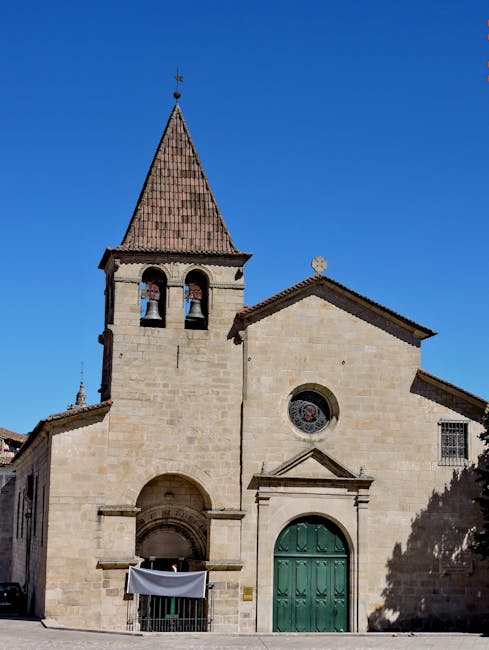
{"x": 118, "y": 511}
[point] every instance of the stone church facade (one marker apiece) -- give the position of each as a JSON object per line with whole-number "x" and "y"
{"x": 293, "y": 449}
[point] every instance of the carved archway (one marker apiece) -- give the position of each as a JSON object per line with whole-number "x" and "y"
{"x": 172, "y": 521}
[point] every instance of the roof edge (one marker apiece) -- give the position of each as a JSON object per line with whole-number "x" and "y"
{"x": 71, "y": 414}
{"x": 420, "y": 331}
{"x": 452, "y": 388}
{"x": 133, "y": 252}
{"x": 6, "y": 434}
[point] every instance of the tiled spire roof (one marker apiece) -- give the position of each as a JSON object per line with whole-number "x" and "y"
{"x": 176, "y": 210}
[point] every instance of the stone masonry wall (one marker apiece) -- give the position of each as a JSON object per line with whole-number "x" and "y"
{"x": 176, "y": 406}
{"x": 30, "y": 529}
{"x": 76, "y": 530}
{"x": 384, "y": 427}
{"x": 176, "y": 392}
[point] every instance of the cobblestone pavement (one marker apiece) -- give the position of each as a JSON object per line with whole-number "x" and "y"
{"x": 32, "y": 635}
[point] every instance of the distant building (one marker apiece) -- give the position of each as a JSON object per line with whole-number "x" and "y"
{"x": 293, "y": 449}
{"x": 10, "y": 443}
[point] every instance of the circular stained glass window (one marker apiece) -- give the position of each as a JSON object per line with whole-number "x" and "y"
{"x": 309, "y": 411}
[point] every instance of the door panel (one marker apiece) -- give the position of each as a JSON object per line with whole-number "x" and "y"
{"x": 282, "y": 594}
{"x": 340, "y": 590}
{"x": 282, "y": 578}
{"x": 301, "y": 536}
{"x": 301, "y": 578}
{"x": 322, "y": 577}
{"x": 311, "y": 578}
{"x": 321, "y": 598}
{"x": 324, "y": 539}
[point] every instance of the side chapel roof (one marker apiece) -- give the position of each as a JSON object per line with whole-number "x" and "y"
{"x": 70, "y": 415}
{"x": 438, "y": 382}
{"x": 176, "y": 210}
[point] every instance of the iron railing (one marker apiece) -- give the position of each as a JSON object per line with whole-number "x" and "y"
{"x": 170, "y": 614}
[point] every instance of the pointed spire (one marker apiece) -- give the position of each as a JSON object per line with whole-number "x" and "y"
{"x": 176, "y": 210}
{"x": 81, "y": 396}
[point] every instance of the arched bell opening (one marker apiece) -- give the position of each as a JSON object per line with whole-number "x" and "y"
{"x": 311, "y": 577}
{"x": 172, "y": 527}
{"x": 196, "y": 301}
{"x": 153, "y": 298}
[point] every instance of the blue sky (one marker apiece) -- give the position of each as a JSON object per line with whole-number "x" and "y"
{"x": 353, "y": 130}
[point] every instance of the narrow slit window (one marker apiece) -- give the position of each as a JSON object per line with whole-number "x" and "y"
{"x": 42, "y": 514}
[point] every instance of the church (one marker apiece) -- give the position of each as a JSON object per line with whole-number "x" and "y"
{"x": 293, "y": 450}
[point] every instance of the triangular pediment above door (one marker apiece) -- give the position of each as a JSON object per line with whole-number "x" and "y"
{"x": 313, "y": 462}
{"x": 311, "y": 466}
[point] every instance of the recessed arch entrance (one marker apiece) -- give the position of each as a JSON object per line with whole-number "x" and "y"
{"x": 311, "y": 577}
{"x": 172, "y": 526}
{"x": 171, "y": 535}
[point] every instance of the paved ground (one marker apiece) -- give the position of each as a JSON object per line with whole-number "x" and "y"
{"x": 31, "y": 635}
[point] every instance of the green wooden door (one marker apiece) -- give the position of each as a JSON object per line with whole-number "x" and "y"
{"x": 310, "y": 578}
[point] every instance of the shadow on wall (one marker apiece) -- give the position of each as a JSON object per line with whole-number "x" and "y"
{"x": 436, "y": 583}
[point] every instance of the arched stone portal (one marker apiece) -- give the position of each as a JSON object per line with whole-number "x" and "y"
{"x": 172, "y": 529}
{"x": 172, "y": 525}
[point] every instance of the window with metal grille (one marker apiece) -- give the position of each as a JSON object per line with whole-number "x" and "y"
{"x": 453, "y": 439}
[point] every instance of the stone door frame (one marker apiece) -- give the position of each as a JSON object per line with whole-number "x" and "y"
{"x": 340, "y": 496}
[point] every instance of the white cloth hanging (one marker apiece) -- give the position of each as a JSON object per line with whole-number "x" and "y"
{"x": 188, "y": 584}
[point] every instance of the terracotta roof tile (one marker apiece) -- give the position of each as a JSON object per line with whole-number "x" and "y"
{"x": 6, "y": 434}
{"x": 176, "y": 210}
{"x": 147, "y": 249}
{"x": 76, "y": 410}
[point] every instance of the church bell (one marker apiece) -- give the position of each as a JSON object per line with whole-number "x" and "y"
{"x": 195, "y": 312}
{"x": 152, "y": 312}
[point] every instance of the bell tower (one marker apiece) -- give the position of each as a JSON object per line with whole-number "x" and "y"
{"x": 175, "y": 263}
{"x": 173, "y": 288}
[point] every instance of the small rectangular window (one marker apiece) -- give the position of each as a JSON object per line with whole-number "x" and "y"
{"x": 453, "y": 442}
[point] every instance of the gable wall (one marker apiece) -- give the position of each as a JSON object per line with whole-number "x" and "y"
{"x": 382, "y": 426}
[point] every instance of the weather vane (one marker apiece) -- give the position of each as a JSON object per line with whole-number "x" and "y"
{"x": 179, "y": 79}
